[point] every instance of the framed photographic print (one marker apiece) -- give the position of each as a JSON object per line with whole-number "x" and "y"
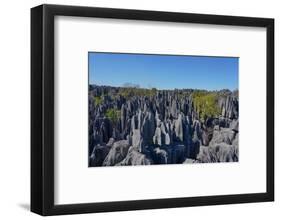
{"x": 136, "y": 109}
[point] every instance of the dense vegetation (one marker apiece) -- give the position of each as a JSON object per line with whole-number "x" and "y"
{"x": 206, "y": 104}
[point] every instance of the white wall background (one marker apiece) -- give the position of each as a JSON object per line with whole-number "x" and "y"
{"x": 15, "y": 107}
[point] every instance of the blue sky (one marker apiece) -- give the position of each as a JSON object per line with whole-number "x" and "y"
{"x": 163, "y": 71}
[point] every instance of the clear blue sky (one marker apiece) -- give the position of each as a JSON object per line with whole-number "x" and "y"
{"x": 163, "y": 71}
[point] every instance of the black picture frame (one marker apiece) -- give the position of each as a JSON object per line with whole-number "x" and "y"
{"x": 42, "y": 109}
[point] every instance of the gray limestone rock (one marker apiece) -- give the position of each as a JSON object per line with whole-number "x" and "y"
{"x": 123, "y": 117}
{"x": 117, "y": 153}
{"x": 134, "y": 158}
{"x": 188, "y": 160}
{"x": 234, "y": 125}
{"x": 193, "y": 149}
{"x": 174, "y": 109}
{"x": 161, "y": 156}
{"x": 98, "y": 155}
{"x": 218, "y": 153}
{"x": 178, "y": 153}
{"x": 179, "y": 128}
{"x": 157, "y": 138}
{"x": 225, "y": 135}
{"x": 137, "y": 139}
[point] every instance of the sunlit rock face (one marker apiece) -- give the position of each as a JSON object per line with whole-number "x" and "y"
{"x": 134, "y": 126}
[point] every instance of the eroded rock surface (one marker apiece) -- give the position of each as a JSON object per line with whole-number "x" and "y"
{"x": 143, "y": 127}
{"x": 117, "y": 153}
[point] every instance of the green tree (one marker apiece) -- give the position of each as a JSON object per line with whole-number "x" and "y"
{"x": 206, "y": 104}
{"x": 113, "y": 115}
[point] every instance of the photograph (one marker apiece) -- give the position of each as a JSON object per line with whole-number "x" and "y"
{"x": 148, "y": 109}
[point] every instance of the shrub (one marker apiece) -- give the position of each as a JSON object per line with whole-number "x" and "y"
{"x": 113, "y": 115}
{"x": 206, "y": 104}
{"x": 97, "y": 100}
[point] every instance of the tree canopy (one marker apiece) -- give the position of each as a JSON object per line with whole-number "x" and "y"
{"x": 206, "y": 104}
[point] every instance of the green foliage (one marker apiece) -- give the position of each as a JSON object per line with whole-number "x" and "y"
{"x": 153, "y": 91}
{"x": 113, "y": 115}
{"x": 128, "y": 92}
{"x": 182, "y": 95}
{"x": 97, "y": 100}
{"x": 206, "y": 104}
